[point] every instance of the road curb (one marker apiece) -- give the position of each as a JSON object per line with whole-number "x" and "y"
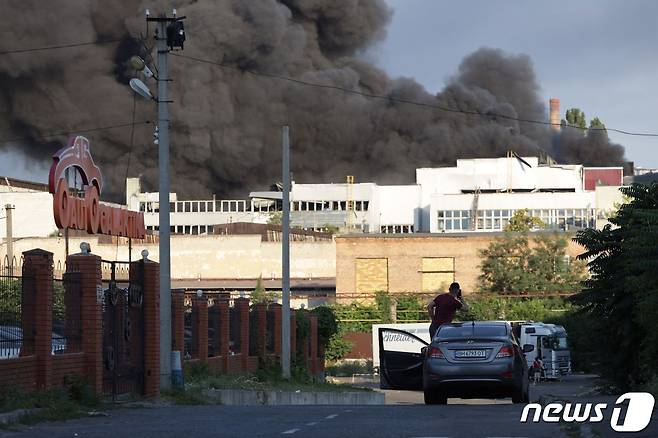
{"x": 238, "y": 397}
{"x": 15, "y": 416}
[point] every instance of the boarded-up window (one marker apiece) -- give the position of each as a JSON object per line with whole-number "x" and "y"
{"x": 438, "y": 273}
{"x": 371, "y": 275}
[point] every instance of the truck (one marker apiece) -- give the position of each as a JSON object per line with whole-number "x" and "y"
{"x": 551, "y": 345}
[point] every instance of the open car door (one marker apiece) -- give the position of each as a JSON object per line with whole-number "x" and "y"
{"x": 401, "y": 357}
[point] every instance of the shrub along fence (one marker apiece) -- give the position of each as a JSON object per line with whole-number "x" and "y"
{"x": 233, "y": 336}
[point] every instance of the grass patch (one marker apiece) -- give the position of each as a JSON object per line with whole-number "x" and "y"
{"x": 200, "y": 377}
{"x": 192, "y": 395}
{"x": 348, "y": 369}
{"x": 72, "y": 401}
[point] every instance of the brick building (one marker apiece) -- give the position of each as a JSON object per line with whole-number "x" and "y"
{"x": 411, "y": 262}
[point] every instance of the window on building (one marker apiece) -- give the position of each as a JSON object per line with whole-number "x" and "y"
{"x": 437, "y": 273}
{"x": 371, "y": 275}
{"x": 187, "y": 229}
{"x": 202, "y": 207}
{"x": 454, "y": 220}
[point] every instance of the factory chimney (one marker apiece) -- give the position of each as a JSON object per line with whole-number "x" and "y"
{"x": 555, "y": 113}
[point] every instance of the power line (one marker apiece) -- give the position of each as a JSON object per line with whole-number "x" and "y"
{"x": 62, "y": 46}
{"x": 77, "y": 131}
{"x": 401, "y": 100}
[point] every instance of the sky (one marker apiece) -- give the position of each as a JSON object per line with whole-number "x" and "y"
{"x": 597, "y": 55}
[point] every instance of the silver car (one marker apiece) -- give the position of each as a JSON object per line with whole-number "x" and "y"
{"x": 476, "y": 359}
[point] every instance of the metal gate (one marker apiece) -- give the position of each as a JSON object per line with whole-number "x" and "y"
{"x": 123, "y": 329}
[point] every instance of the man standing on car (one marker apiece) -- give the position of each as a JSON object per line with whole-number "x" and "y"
{"x": 442, "y": 308}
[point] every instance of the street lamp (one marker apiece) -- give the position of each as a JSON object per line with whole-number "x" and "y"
{"x": 169, "y": 34}
{"x": 140, "y": 88}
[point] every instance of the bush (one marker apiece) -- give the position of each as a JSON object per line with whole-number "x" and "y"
{"x": 411, "y": 308}
{"x": 327, "y": 324}
{"x": 303, "y": 328}
{"x": 337, "y": 347}
{"x": 260, "y": 295}
{"x": 348, "y": 369}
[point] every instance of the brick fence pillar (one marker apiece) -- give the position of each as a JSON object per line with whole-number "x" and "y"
{"x": 200, "y": 328}
{"x": 150, "y": 273}
{"x": 242, "y": 306}
{"x": 91, "y": 314}
{"x": 260, "y": 312}
{"x": 276, "y": 314}
{"x": 222, "y": 327}
{"x": 313, "y": 318}
{"x": 37, "y": 305}
{"x": 178, "y": 322}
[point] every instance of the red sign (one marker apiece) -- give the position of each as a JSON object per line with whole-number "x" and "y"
{"x": 88, "y": 213}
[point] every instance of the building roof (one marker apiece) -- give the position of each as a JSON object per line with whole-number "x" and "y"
{"x": 299, "y": 284}
{"x": 23, "y": 184}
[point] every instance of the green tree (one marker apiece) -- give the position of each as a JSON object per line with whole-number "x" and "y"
{"x": 512, "y": 264}
{"x": 596, "y": 123}
{"x": 275, "y": 218}
{"x": 622, "y": 291}
{"x": 575, "y": 118}
{"x": 260, "y": 295}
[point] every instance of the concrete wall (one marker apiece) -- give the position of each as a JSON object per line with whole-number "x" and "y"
{"x": 208, "y": 257}
{"x": 405, "y": 254}
{"x": 32, "y": 214}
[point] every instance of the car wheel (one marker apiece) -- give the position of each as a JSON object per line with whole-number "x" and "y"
{"x": 434, "y": 397}
{"x": 519, "y": 395}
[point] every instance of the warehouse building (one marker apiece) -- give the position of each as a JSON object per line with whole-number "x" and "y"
{"x": 475, "y": 195}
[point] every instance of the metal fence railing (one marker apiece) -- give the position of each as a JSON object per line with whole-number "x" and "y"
{"x": 235, "y": 341}
{"x": 270, "y": 332}
{"x": 66, "y": 314}
{"x": 13, "y": 342}
{"x": 187, "y": 337}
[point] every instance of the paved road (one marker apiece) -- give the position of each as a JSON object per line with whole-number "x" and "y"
{"x": 571, "y": 386}
{"x": 458, "y": 419}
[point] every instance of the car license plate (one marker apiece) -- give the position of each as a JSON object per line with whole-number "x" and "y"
{"x": 467, "y": 354}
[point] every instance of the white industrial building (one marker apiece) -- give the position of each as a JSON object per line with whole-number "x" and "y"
{"x": 476, "y": 195}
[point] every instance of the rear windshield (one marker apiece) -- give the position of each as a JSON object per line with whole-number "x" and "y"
{"x": 468, "y": 331}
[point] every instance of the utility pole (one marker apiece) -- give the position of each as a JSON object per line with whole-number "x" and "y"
{"x": 169, "y": 34}
{"x": 10, "y": 238}
{"x": 285, "y": 257}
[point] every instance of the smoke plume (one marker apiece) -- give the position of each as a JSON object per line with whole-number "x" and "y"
{"x": 226, "y": 122}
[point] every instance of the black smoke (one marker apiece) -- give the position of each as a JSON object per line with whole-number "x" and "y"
{"x": 226, "y": 122}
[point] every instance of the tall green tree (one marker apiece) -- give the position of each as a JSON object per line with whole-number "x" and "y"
{"x": 514, "y": 264}
{"x": 596, "y": 123}
{"x": 575, "y": 118}
{"x": 622, "y": 291}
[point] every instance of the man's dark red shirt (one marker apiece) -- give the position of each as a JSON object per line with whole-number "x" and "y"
{"x": 445, "y": 307}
